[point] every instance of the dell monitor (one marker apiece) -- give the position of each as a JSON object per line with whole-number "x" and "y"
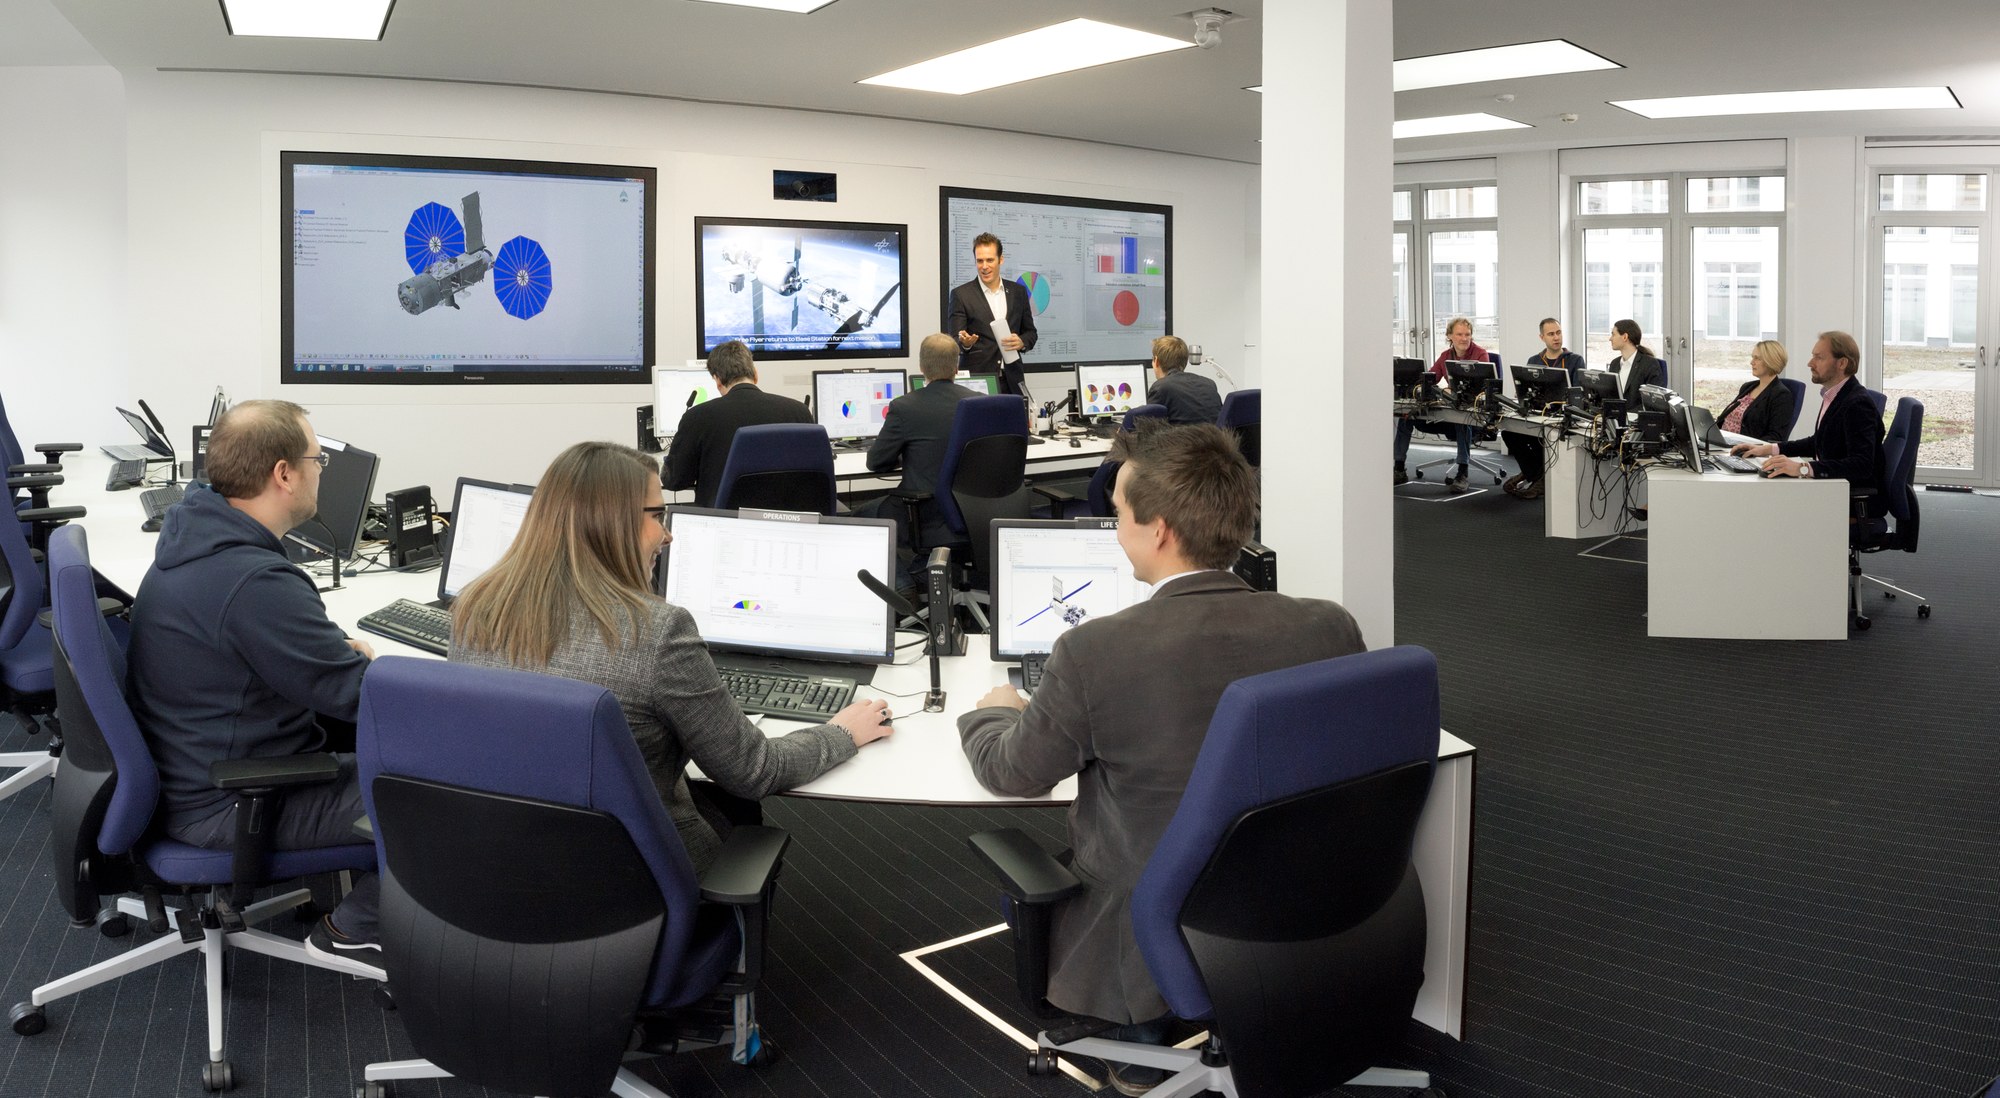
{"x": 1469, "y": 379}
{"x": 851, "y": 404}
{"x": 779, "y": 583}
{"x": 485, "y": 516}
{"x": 1601, "y": 390}
{"x": 1051, "y": 576}
{"x": 1111, "y": 389}
{"x": 344, "y": 489}
{"x": 1409, "y": 374}
{"x": 1680, "y": 433}
{"x": 1540, "y": 386}
{"x": 676, "y": 391}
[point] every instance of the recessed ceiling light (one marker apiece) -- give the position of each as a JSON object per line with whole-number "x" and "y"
{"x": 1497, "y": 63}
{"x": 1062, "y": 47}
{"x": 1792, "y": 102}
{"x": 800, "y": 7}
{"x": 1455, "y": 123}
{"x": 365, "y": 20}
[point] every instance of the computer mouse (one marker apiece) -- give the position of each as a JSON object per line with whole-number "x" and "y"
{"x": 150, "y": 526}
{"x": 1076, "y": 443}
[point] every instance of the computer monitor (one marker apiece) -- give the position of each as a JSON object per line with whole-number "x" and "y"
{"x": 850, "y": 404}
{"x": 344, "y": 490}
{"x": 1051, "y": 576}
{"x": 1112, "y": 389}
{"x": 1681, "y": 437}
{"x": 781, "y": 583}
{"x": 1469, "y": 379}
{"x": 1600, "y": 388}
{"x": 217, "y": 406}
{"x": 982, "y": 384}
{"x": 1540, "y": 386}
{"x": 154, "y": 439}
{"x": 1409, "y": 374}
{"x": 485, "y": 516}
{"x": 674, "y": 392}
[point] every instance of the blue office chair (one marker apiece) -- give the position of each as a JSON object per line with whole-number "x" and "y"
{"x": 1142, "y": 411}
{"x": 540, "y": 919}
{"x": 1666, "y": 380}
{"x": 1280, "y": 907}
{"x": 27, "y": 661}
{"x": 1899, "y": 460}
{"x": 1243, "y": 414}
{"x": 1879, "y": 399}
{"x": 104, "y": 838}
{"x": 29, "y": 482}
{"x": 779, "y": 467}
{"x": 983, "y": 477}
{"x": 1798, "y": 389}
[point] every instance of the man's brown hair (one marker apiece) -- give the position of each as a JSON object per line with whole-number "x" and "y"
{"x": 1171, "y": 353}
{"x": 937, "y": 357}
{"x": 251, "y": 440}
{"x": 730, "y": 363}
{"x": 1842, "y": 345}
{"x": 988, "y": 238}
{"x": 1195, "y": 478}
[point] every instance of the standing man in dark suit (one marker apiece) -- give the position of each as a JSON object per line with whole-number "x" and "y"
{"x": 701, "y": 447}
{"x": 1189, "y": 398}
{"x": 914, "y": 433}
{"x": 974, "y": 307}
{"x": 1847, "y": 438}
{"x": 1634, "y": 360}
{"x": 1125, "y": 702}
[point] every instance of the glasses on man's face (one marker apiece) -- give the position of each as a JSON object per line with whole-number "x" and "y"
{"x": 320, "y": 459}
{"x": 658, "y": 514}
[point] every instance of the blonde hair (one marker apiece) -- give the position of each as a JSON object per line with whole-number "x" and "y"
{"x": 578, "y": 547}
{"x": 1773, "y": 354}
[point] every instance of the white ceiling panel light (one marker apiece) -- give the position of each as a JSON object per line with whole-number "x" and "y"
{"x": 1455, "y": 123}
{"x": 362, "y": 20}
{"x": 796, "y": 7}
{"x": 1515, "y": 62}
{"x": 1794, "y": 102}
{"x": 1030, "y": 55}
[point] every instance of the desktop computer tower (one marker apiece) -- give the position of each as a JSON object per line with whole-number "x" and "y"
{"x": 943, "y": 616}
{"x": 412, "y": 541}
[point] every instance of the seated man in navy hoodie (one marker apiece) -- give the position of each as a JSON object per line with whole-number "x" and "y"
{"x": 233, "y": 656}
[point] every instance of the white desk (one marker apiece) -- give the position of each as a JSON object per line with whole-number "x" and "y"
{"x": 1584, "y": 497}
{"x": 1742, "y": 556}
{"x": 1054, "y": 455}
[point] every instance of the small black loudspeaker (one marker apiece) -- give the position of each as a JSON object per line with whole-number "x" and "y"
{"x": 412, "y": 541}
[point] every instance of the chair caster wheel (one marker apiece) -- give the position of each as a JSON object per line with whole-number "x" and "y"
{"x": 1924, "y": 610}
{"x": 218, "y": 1075}
{"x": 385, "y": 998}
{"x": 1041, "y": 1061}
{"x": 764, "y": 1054}
{"x": 28, "y": 1019}
{"x": 117, "y": 926}
{"x": 1861, "y": 623}
{"x": 373, "y": 1090}
{"x": 1890, "y": 595}
{"x": 306, "y": 912}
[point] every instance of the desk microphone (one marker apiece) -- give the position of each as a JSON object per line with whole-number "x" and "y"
{"x": 692, "y": 394}
{"x": 933, "y": 701}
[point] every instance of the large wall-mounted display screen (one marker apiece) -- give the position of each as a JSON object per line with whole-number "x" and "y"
{"x": 426, "y": 269}
{"x": 1099, "y": 273}
{"x": 801, "y": 289}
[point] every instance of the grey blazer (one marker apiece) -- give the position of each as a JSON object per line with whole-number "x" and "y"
{"x": 1125, "y": 703}
{"x": 679, "y": 710}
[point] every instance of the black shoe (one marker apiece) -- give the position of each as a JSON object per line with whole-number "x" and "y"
{"x": 1402, "y": 474}
{"x": 1457, "y": 482}
{"x": 1133, "y": 1080}
{"x": 329, "y": 944}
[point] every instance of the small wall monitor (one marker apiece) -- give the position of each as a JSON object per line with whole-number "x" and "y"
{"x": 485, "y": 516}
{"x": 851, "y": 404}
{"x": 452, "y": 270}
{"x": 1099, "y": 272}
{"x": 781, "y": 583}
{"x": 982, "y": 384}
{"x": 801, "y": 289}
{"x": 676, "y": 391}
{"x": 1051, "y": 576}
{"x": 345, "y": 487}
{"x": 1111, "y": 389}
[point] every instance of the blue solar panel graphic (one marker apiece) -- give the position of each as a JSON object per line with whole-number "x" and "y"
{"x": 521, "y": 277}
{"x": 433, "y": 234}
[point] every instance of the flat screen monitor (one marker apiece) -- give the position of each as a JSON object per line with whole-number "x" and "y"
{"x": 982, "y": 384}
{"x": 801, "y": 289}
{"x": 217, "y": 406}
{"x": 153, "y": 438}
{"x": 454, "y": 270}
{"x": 1541, "y": 386}
{"x": 1409, "y": 374}
{"x": 1099, "y": 272}
{"x": 1051, "y": 576}
{"x": 1048, "y": 385}
{"x": 850, "y": 404}
{"x": 1111, "y": 389}
{"x": 345, "y": 486}
{"x": 674, "y": 392}
{"x": 1681, "y": 436}
{"x": 1600, "y": 387}
{"x": 782, "y": 583}
{"x": 485, "y": 516}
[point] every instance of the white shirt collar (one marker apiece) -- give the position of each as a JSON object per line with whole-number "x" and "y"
{"x": 1178, "y": 575}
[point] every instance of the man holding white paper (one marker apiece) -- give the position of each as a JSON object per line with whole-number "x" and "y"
{"x": 991, "y": 318}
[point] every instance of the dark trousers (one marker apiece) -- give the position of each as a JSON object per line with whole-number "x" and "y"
{"x": 1405, "y": 427}
{"x": 1530, "y": 452}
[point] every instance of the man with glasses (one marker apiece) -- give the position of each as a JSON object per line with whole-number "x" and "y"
{"x": 233, "y": 656}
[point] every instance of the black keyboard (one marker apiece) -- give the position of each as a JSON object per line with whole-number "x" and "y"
{"x": 1730, "y": 463}
{"x": 1031, "y": 670}
{"x": 157, "y": 500}
{"x": 124, "y": 474}
{"x": 813, "y": 698}
{"x": 417, "y": 624}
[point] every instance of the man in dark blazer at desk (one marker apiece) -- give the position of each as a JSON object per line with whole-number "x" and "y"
{"x": 701, "y": 447}
{"x": 1847, "y": 438}
{"x": 1125, "y": 702}
{"x": 974, "y": 307}
{"x": 914, "y": 433}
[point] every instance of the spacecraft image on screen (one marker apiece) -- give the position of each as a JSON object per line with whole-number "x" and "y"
{"x": 448, "y": 257}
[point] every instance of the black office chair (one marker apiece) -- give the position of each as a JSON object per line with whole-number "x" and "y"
{"x": 29, "y": 482}
{"x": 1798, "y": 389}
{"x": 779, "y": 467}
{"x": 1899, "y": 530}
{"x": 1243, "y": 415}
{"x": 1474, "y": 460}
{"x": 1096, "y": 493}
{"x": 541, "y": 923}
{"x": 1280, "y": 906}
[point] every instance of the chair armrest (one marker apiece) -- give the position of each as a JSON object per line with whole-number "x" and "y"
{"x": 49, "y": 450}
{"x": 1027, "y": 873}
{"x": 276, "y": 772}
{"x": 743, "y": 870}
{"x": 35, "y": 480}
{"x": 364, "y": 828}
{"x": 1056, "y": 493}
{"x": 33, "y": 467}
{"x": 49, "y": 514}
{"x": 908, "y": 496}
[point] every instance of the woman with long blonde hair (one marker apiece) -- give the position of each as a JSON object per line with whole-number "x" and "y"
{"x": 570, "y": 598}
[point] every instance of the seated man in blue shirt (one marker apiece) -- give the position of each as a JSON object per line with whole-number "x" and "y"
{"x": 1189, "y": 398}
{"x": 1528, "y": 450}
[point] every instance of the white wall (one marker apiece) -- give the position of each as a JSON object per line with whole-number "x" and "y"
{"x": 202, "y": 182}
{"x": 63, "y": 277}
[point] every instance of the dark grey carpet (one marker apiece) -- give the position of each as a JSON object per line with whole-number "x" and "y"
{"x": 1700, "y": 868}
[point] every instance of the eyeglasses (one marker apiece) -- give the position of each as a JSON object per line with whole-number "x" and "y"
{"x": 658, "y": 514}
{"x": 320, "y": 459}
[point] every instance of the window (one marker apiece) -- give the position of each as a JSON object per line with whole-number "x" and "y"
{"x": 1932, "y": 192}
{"x": 1964, "y": 304}
{"x": 1646, "y": 296}
{"x": 1450, "y": 202}
{"x": 1903, "y": 302}
{"x": 1454, "y": 291}
{"x": 1733, "y": 295}
{"x": 1736, "y": 194}
{"x": 1623, "y": 196}
{"x": 1597, "y": 298}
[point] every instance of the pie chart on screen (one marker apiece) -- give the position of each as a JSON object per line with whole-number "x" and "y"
{"x": 1037, "y": 285}
{"x": 1125, "y": 308}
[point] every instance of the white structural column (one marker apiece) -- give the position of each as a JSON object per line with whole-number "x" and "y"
{"x": 1328, "y": 107}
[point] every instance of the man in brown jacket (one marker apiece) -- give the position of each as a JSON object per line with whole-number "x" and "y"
{"x": 1125, "y": 701}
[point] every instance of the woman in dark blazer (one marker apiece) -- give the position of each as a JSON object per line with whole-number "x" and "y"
{"x": 1762, "y": 408}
